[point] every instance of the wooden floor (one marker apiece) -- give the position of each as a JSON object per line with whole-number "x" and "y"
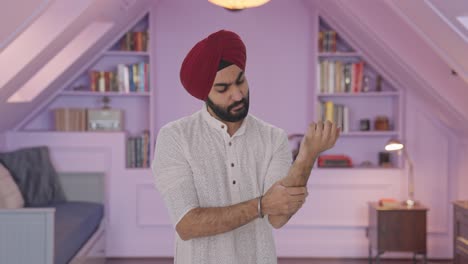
{"x": 283, "y": 261}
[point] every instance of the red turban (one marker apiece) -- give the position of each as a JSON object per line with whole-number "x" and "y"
{"x": 199, "y": 68}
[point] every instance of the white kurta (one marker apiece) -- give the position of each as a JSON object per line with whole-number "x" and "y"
{"x": 197, "y": 164}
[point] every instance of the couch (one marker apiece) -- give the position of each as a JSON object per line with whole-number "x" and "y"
{"x": 45, "y": 227}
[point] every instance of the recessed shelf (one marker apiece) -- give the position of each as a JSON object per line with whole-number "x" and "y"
{"x": 338, "y": 54}
{"x": 143, "y": 170}
{"x": 355, "y": 169}
{"x": 125, "y": 53}
{"x": 369, "y": 134}
{"x": 360, "y": 94}
{"x": 88, "y": 93}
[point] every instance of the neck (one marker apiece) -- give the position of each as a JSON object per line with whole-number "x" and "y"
{"x": 232, "y": 127}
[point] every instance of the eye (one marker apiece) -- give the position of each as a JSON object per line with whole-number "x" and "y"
{"x": 240, "y": 81}
{"x": 222, "y": 89}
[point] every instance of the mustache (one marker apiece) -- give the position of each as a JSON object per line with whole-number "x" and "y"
{"x": 243, "y": 101}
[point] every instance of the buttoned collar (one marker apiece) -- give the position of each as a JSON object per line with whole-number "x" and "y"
{"x": 220, "y": 126}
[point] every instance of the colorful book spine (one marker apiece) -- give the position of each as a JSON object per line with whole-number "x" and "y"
{"x": 138, "y": 150}
{"x": 130, "y": 78}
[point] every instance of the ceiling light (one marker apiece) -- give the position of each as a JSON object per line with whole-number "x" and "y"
{"x": 238, "y": 4}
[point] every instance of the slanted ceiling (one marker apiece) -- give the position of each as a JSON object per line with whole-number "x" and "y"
{"x": 29, "y": 57}
{"x": 417, "y": 44}
{"x": 18, "y": 18}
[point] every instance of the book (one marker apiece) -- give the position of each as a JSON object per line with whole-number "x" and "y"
{"x": 345, "y": 127}
{"x": 329, "y": 111}
{"x": 389, "y": 203}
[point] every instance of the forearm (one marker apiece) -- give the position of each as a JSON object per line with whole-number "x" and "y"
{"x": 200, "y": 222}
{"x": 319, "y": 137}
{"x": 299, "y": 172}
{"x": 298, "y": 175}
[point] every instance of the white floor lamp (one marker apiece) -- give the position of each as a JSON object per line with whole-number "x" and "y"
{"x": 396, "y": 145}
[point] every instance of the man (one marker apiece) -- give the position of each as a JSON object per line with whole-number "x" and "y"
{"x": 226, "y": 176}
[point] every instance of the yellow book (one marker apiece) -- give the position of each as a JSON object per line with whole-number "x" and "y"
{"x": 329, "y": 111}
{"x": 136, "y": 79}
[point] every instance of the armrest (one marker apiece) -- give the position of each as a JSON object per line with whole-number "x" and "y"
{"x": 27, "y": 235}
{"x": 26, "y": 210}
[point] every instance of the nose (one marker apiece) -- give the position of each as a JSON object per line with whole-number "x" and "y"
{"x": 236, "y": 94}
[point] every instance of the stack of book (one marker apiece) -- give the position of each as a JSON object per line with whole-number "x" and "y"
{"x": 340, "y": 77}
{"x": 327, "y": 41}
{"x": 70, "y": 119}
{"x": 138, "y": 152}
{"x": 127, "y": 78}
{"x": 134, "y": 41}
{"x": 336, "y": 113}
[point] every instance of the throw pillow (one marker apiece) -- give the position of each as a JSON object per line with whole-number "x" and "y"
{"x": 37, "y": 179}
{"x": 10, "y": 195}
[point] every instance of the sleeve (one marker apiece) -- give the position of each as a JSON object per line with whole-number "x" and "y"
{"x": 280, "y": 163}
{"x": 173, "y": 176}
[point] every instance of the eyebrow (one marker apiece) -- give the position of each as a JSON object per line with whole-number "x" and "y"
{"x": 228, "y": 84}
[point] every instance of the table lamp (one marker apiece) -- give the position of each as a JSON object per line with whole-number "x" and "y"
{"x": 396, "y": 145}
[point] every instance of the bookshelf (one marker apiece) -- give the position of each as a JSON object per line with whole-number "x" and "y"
{"x": 120, "y": 74}
{"x": 354, "y": 95}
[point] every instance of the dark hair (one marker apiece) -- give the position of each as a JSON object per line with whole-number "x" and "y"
{"x": 223, "y": 64}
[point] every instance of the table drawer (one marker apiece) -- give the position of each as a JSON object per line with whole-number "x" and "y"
{"x": 460, "y": 259}
{"x": 402, "y": 231}
{"x": 460, "y": 232}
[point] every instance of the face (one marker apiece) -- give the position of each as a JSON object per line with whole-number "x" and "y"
{"x": 229, "y": 96}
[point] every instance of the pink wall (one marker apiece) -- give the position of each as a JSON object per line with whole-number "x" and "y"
{"x": 278, "y": 40}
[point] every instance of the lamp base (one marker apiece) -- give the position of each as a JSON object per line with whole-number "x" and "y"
{"x": 410, "y": 203}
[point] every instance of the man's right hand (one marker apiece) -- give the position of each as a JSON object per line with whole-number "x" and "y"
{"x": 280, "y": 200}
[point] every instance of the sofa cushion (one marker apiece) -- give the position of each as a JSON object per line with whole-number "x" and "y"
{"x": 75, "y": 223}
{"x": 35, "y": 175}
{"x": 10, "y": 195}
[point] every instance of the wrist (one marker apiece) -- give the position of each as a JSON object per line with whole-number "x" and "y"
{"x": 260, "y": 207}
{"x": 306, "y": 161}
{"x": 307, "y": 157}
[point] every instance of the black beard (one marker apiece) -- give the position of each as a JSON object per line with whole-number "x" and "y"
{"x": 225, "y": 114}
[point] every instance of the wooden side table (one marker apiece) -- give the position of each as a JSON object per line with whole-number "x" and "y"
{"x": 398, "y": 228}
{"x": 460, "y": 232}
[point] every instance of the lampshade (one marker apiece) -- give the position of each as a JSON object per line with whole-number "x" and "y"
{"x": 393, "y": 145}
{"x": 238, "y": 4}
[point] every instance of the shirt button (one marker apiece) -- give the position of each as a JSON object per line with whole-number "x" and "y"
{"x": 230, "y": 144}
{"x": 222, "y": 127}
{"x": 232, "y": 164}
{"x": 234, "y": 182}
